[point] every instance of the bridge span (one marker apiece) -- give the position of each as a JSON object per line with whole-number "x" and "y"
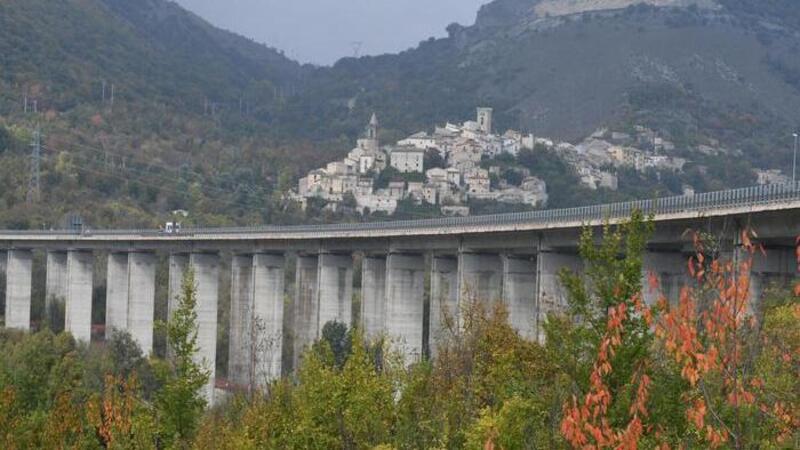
{"x": 412, "y": 273}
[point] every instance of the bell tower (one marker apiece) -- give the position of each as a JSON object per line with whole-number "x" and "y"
{"x": 369, "y": 141}
{"x": 485, "y": 120}
{"x": 372, "y": 128}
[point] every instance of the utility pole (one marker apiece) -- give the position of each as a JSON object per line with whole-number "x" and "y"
{"x": 26, "y": 103}
{"x": 794, "y": 161}
{"x": 356, "y": 48}
{"x": 112, "y": 98}
{"x": 34, "y": 185}
{"x": 104, "y": 91}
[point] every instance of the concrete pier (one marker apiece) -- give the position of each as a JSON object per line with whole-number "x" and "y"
{"x": 268, "y": 297}
{"x": 405, "y": 303}
{"x": 116, "y": 293}
{"x": 130, "y": 296}
{"x": 19, "y": 267}
{"x": 551, "y": 294}
{"x": 240, "y": 341}
{"x": 519, "y": 294}
{"x": 306, "y": 311}
{"x": 373, "y": 295}
{"x": 670, "y": 269}
{"x": 444, "y": 298}
{"x": 480, "y": 278}
{"x": 777, "y": 268}
{"x": 178, "y": 263}
{"x": 3, "y": 263}
{"x": 206, "y": 271}
{"x": 78, "y": 312}
{"x": 141, "y": 298}
{"x": 335, "y": 289}
{"x": 257, "y": 289}
{"x": 55, "y": 289}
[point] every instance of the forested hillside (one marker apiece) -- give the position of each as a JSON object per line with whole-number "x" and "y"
{"x": 144, "y": 108}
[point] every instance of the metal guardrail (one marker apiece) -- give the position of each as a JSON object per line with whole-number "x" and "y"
{"x": 742, "y": 197}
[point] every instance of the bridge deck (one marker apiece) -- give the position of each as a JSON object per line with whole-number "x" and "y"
{"x": 743, "y": 201}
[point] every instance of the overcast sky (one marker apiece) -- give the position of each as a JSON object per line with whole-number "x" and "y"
{"x": 322, "y": 31}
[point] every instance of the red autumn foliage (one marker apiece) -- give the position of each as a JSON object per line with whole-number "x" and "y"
{"x": 585, "y": 424}
{"x": 707, "y": 340}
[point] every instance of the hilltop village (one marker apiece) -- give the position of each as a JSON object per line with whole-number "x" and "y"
{"x": 455, "y": 164}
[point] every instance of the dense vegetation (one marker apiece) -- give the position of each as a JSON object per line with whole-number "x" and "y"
{"x": 613, "y": 373}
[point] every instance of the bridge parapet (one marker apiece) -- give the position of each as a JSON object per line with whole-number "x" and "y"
{"x": 742, "y": 200}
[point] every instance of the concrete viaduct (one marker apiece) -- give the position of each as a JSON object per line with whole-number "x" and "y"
{"x": 513, "y": 258}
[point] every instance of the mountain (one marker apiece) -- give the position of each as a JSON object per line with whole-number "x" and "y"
{"x": 148, "y": 48}
{"x": 697, "y": 70}
{"x": 188, "y": 127}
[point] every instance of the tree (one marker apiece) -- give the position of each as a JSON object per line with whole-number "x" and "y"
{"x": 433, "y": 159}
{"x": 119, "y": 419}
{"x": 260, "y": 347}
{"x": 605, "y": 340}
{"x": 180, "y": 403}
{"x": 5, "y": 139}
{"x": 335, "y": 345}
{"x": 741, "y": 376}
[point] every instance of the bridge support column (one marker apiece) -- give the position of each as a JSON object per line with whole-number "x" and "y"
{"x": 268, "y": 285}
{"x": 240, "y": 341}
{"x": 669, "y": 268}
{"x": 373, "y": 295}
{"x": 306, "y": 311}
{"x": 116, "y": 293}
{"x": 19, "y": 267}
{"x": 551, "y": 295}
{"x": 55, "y": 290}
{"x": 206, "y": 271}
{"x": 178, "y": 263}
{"x": 519, "y": 294}
{"x": 3, "y": 265}
{"x": 335, "y": 289}
{"x": 778, "y": 267}
{"x": 405, "y": 303}
{"x": 78, "y": 310}
{"x": 480, "y": 278}
{"x": 141, "y": 298}
{"x": 444, "y": 299}
{"x": 257, "y": 288}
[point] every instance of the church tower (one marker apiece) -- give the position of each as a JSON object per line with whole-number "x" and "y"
{"x": 485, "y": 120}
{"x": 372, "y": 128}
{"x": 370, "y": 140}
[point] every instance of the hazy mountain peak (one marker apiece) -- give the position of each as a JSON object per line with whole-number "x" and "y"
{"x": 554, "y": 8}
{"x": 504, "y": 12}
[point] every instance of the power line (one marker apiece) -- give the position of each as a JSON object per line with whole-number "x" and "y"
{"x": 356, "y": 45}
{"x": 146, "y": 183}
{"x": 34, "y": 180}
{"x": 141, "y": 178}
{"x": 169, "y": 178}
